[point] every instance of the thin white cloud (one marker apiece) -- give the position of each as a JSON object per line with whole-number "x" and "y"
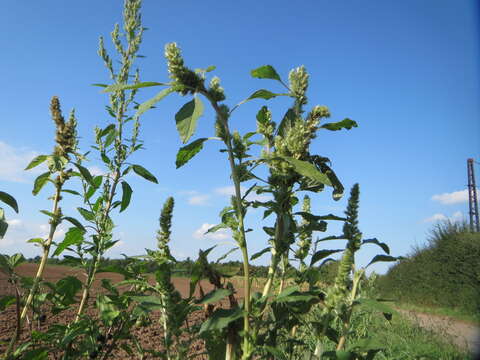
{"x": 221, "y": 234}
{"x": 15, "y": 223}
{"x": 199, "y": 200}
{"x": 455, "y": 197}
{"x": 14, "y": 161}
{"x": 457, "y": 215}
{"x": 435, "y": 217}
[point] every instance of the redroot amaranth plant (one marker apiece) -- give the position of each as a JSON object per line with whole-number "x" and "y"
{"x": 58, "y": 173}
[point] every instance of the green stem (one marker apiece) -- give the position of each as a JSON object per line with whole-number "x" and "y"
{"x": 247, "y": 346}
{"x": 46, "y": 249}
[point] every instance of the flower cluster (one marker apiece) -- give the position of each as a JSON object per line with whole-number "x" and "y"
{"x": 187, "y": 80}
{"x": 66, "y": 133}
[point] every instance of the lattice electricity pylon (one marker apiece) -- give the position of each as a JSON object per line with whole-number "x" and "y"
{"x": 472, "y": 198}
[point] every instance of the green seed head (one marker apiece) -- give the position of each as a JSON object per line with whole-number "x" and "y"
{"x": 65, "y": 134}
{"x": 216, "y": 91}
{"x": 298, "y": 79}
{"x": 187, "y": 79}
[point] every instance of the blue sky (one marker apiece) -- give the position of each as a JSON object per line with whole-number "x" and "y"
{"x": 406, "y": 71}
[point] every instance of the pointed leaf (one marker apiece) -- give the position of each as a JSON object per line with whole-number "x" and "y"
{"x": 221, "y": 318}
{"x": 87, "y": 215}
{"x": 378, "y": 258}
{"x": 85, "y": 173}
{"x": 260, "y": 253}
{"x": 40, "y": 182}
{"x": 189, "y": 151}
{"x": 214, "y": 296}
{"x": 3, "y": 224}
{"x": 321, "y": 254}
{"x": 126, "y": 195}
{"x": 265, "y": 72}
{"x": 307, "y": 169}
{"x": 287, "y": 122}
{"x": 120, "y": 87}
{"x": 263, "y": 94}
{"x": 74, "y": 222}
{"x": 36, "y": 161}
{"x": 107, "y": 130}
{"x": 140, "y": 170}
{"x": 74, "y": 236}
{"x": 9, "y": 200}
{"x": 147, "y": 105}
{"x": 381, "y": 244}
{"x": 344, "y": 124}
{"x": 186, "y": 118}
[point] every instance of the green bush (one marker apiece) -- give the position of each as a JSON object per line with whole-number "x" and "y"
{"x": 444, "y": 272}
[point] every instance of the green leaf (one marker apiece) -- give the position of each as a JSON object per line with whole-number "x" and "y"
{"x": 108, "y": 310}
{"x": 186, "y": 118}
{"x": 36, "y": 241}
{"x": 48, "y": 213}
{"x": 260, "y": 253}
{"x": 87, "y": 215}
{"x": 36, "y": 161}
{"x": 147, "y": 105}
{"x": 120, "y": 87}
{"x": 338, "y": 355}
{"x": 68, "y": 288}
{"x": 189, "y": 151}
{"x": 321, "y": 254}
{"x": 74, "y": 236}
{"x": 85, "y": 173}
{"x": 74, "y": 222}
{"x": 40, "y": 182}
{"x": 73, "y": 192}
{"x": 214, "y": 296}
{"x": 110, "y": 138}
{"x": 216, "y": 228}
{"x": 344, "y": 124}
{"x": 381, "y": 244}
{"x": 263, "y": 94}
{"x": 126, "y": 195}
{"x": 16, "y": 260}
{"x": 9, "y": 200}
{"x": 221, "y": 318}
{"x": 310, "y": 217}
{"x": 107, "y": 130}
{"x": 6, "y": 301}
{"x": 3, "y": 224}
{"x": 307, "y": 169}
{"x": 378, "y": 258}
{"x": 36, "y": 354}
{"x": 265, "y": 72}
{"x": 140, "y": 170}
{"x": 287, "y": 122}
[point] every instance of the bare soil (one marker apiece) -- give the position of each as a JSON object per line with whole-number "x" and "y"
{"x": 463, "y": 334}
{"x": 149, "y": 336}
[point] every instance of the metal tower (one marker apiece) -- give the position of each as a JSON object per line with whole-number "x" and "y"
{"x": 472, "y": 198}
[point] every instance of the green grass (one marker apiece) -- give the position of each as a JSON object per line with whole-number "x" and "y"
{"x": 456, "y": 314}
{"x": 400, "y": 338}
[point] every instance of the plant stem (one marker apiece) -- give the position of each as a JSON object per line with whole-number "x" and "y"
{"x": 353, "y": 294}
{"x": 46, "y": 249}
{"x": 247, "y": 348}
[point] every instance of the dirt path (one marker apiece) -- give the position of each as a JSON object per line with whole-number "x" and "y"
{"x": 461, "y": 333}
